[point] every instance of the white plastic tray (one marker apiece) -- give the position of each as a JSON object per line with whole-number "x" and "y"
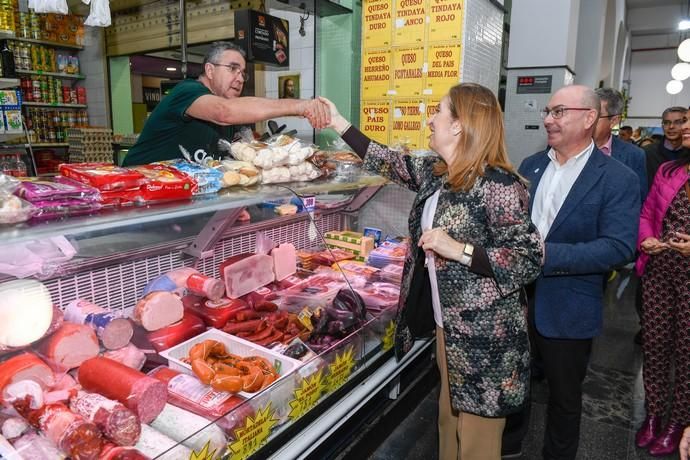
{"x": 234, "y": 345}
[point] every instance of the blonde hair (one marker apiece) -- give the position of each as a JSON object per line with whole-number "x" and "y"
{"x": 482, "y": 141}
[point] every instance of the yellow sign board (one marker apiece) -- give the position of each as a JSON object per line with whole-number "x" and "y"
{"x": 253, "y": 433}
{"x": 408, "y": 78}
{"x": 376, "y": 23}
{"x": 307, "y": 395}
{"x": 389, "y": 336}
{"x": 376, "y": 74}
{"x": 406, "y": 127}
{"x": 443, "y": 71}
{"x": 430, "y": 108}
{"x": 374, "y": 120}
{"x": 340, "y": 369}
{"x": 445, "y": 20}
{"x": 410, "y": 22}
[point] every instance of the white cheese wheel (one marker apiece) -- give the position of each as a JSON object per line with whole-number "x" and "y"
{"x": 26, "y": 311}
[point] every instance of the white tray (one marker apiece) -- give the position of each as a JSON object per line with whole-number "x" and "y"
{"x": 234, "y": 345}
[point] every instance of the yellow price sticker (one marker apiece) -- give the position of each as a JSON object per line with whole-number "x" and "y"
{"x": 250, "y": 437}
{"x": 389, "y": 336}
{"x": 307, "y": 395}
{"x": 203, "y": 454}
{"x": 340, "y": 369}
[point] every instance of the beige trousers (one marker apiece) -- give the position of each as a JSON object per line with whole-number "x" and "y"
{"x": 463, "y": 436}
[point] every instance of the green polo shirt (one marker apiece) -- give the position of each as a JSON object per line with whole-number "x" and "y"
{"x": 169, "y": 126}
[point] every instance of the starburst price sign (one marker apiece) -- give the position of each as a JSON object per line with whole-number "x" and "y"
{"x": 204, "y": 454}
{"x": 306, "y": 395}
{"x": 250, "y": 437}
{"x": 389, "y": 336}
{"x": 340, "y": 369}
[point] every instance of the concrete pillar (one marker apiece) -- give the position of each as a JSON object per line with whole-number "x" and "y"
{"x": 590, "y": 42}
{"x": 541, "y": 59}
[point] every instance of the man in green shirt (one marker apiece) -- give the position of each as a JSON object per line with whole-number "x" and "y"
{"x": 197, "y": 113}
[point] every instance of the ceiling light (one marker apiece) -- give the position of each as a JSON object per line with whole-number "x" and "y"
{"x": 684, "y": 50}
{"x": 674, "y": 87}
{"x": 684, "y": 24}
{"x": 681, "y": 71}
{"x": 171, "y": 69}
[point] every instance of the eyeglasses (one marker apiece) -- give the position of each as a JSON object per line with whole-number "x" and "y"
{"x": 236, "y": 69}
{"x": 558, "y": 112}
{"x": 679, "y": 122}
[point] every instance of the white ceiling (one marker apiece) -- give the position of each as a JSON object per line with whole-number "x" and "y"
{"x": 652, "y": 3}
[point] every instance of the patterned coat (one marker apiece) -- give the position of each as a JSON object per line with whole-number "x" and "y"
{"x": 484, "y": 318}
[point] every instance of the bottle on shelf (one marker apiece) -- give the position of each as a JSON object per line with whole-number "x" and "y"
{"x": 7, "y": 59}
{"x": 19, "y": 166}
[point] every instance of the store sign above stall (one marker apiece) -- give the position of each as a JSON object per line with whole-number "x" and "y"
{"x": 264, "y": 38}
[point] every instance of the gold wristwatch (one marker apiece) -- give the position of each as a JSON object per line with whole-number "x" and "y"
{"x": 466, "y": 256}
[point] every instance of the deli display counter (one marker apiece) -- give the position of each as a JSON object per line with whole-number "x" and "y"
{"x": 185, "y": 330}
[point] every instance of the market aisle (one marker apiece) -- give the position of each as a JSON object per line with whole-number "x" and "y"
{"x": 613, "y": 404}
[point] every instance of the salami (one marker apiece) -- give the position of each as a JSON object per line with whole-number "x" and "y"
{"x": 117, "y": 423}
{"x": 25, "y": 366}
{"x": 113, "y": 452}
{"x": 69, "y": 346}
{"x": 143, "y": 395}
{"x": 114, "y": 332}
{"x": 157, "y": 310}
{"x": 78, "y": 438}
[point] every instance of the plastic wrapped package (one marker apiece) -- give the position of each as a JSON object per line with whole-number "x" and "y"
{"x": 56, "y": 188}
{"x": 56, "y": 209}
{"x": 12, "y": 209}
{"x": 237, "y": 172}
{"x": 103, "y": 176}
{"x": 113, "y": 331}
{"x": 208, "y": 180}
{"x": 189, "y": 326}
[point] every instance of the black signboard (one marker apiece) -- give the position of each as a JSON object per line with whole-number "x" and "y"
{"x": 534, "y": 84}
{"x": 264, "y": 38}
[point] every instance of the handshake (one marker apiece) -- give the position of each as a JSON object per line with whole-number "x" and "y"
{"x": 322, "y": 113}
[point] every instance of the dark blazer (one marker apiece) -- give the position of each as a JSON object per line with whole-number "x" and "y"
{"x": 594, "y": 231}
{"x": 633, "y": 157}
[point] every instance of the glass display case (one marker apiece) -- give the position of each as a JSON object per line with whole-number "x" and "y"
{"x": 336, "y": 359}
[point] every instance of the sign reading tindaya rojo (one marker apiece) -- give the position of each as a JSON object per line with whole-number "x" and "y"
{"x": 376, "y": 74}
{"x": 377, "y": 23}
{"x": 375, "y": 120}
{"x": 410, "y": 22}
{"x": 263, "y": 37}
{"x": 443, "y": 68}
{"x": 406, "y": 126}
{"x": 408, "y": 75}
{"x": 445, "y": 20}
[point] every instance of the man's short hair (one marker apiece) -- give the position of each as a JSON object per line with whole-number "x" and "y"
{"x": 626, "y": 128}
{"x": 218, "y": 48}
{"x": 613, "y": 98}
{"x": 675, "y": 109}
{"x": 590, "y": 99}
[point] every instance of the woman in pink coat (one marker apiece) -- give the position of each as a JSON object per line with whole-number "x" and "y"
{"x": 664, "y": 265}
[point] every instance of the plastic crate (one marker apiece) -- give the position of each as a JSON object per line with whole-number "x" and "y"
{"x": 234, "y": 345}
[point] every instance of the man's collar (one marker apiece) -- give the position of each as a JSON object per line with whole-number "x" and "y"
{"x": 588, "y": 149}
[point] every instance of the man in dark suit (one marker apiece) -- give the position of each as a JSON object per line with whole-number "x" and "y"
{"x": 670, "y": 146}
{"x": 581, "y": 203}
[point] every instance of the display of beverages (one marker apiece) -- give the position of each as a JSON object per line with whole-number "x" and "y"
{"x": 50, "y": 90}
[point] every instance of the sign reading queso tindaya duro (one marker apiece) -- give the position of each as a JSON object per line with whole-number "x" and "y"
{"x": 264, "y": 38}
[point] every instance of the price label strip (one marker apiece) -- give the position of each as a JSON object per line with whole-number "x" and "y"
{"x": 389, "y": 336}
{"x": 307, "y": 395}
{"x": 340, "y": 369}
{"x": 253, "y": 434}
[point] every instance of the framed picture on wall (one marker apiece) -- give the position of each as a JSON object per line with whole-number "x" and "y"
{"x": 288, "y": 87}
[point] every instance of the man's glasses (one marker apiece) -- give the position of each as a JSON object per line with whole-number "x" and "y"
{"x": 236, "y": 69}
{"x": 679, "y": 122}
{"x": 558, "y": 112}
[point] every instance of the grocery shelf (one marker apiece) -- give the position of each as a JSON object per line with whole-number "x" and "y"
{"x": 8, "y": 82}
{"x": 43, "y": 42}
{"x": 49, "y": 144}
{"x": 68, "y": 76}
{"x": 4, "y": 137}
{"x": 54, "y": 104}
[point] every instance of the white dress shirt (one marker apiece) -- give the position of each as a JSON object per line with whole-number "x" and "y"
{"x": 554, "y": 186}
{"x": 427, "y": 223}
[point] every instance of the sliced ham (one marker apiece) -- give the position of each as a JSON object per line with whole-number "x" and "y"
{"x": 245, "y": 273}
{"x": 157, "y": 310}
{"x": 69, "y": 346}
{"x": 143, "y": 395}
{"x": 284, "y": 261}
{"x": 26, "y": 312}
{"x": 25, "y": 366}
{"x": 128, "y": 355}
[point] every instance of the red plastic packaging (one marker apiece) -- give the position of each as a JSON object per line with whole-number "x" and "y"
{"x": 214, "y": 314}
{"x": 103, "y": 176}
{"x": 189, "y": 326}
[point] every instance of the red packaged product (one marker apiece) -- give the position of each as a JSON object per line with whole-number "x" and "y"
{"x": 189, "y": 326}
{"x": 206, "y": 286}
{"x": 164, "y": 183}
{"x": 262, "y": 295}
{"x": 214, "y": 313}
{"x": 103, "y": 176}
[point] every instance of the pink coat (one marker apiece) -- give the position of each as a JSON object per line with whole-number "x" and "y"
{"x": 664, "y": 189}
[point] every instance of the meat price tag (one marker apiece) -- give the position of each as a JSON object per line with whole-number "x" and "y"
{"x": 253, "y": 434}
{"x": 340, "y": 369}
{"x": 389, "y": 336}
{"x": 307, "y": 395}
{"x": 204, "y": 454}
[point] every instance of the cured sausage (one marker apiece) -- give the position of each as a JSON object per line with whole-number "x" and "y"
{"x": 114, "y": 332}
{"x": 69, "y": 346}
{"x": 117, "y": 423}
{"x": 157, "y": 310}
{"x": 25, "y": 366}
{"x": 143, "y": 395}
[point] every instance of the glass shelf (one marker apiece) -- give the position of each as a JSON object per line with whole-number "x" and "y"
{"x": 54, "y": 104}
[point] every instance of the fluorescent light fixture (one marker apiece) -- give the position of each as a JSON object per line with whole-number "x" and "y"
{"x": 680, "y": 71}
{"x": 674, "y": 87}
{"x": 684, "y": 24}
{"x": 684, "y": 50}
{"x": 171, "y": 69}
